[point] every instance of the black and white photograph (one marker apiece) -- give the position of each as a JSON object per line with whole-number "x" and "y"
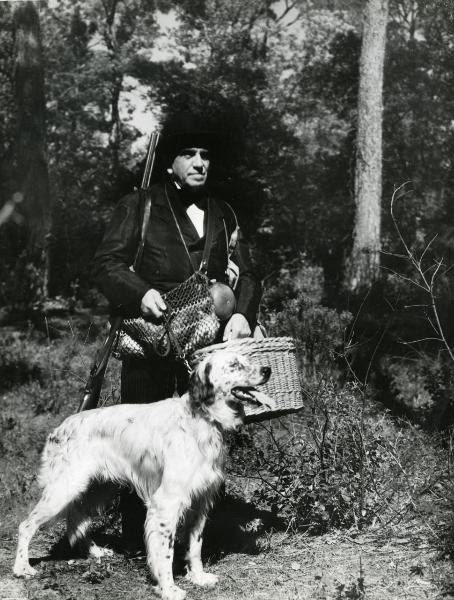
{"x": 226, "y": 299}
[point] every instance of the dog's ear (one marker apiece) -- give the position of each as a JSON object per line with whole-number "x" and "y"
{"x": 201, "y": 391}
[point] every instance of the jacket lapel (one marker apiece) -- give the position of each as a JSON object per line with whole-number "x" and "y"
{"x": 213, "y": 215}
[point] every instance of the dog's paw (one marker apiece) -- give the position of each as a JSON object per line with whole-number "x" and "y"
{"x": 97, "y": 552}
{"x": 25, "y": 571}
{"x": 203, "y": 579}
{"x": 173, "y": 593}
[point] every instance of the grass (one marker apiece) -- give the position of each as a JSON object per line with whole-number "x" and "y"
{"x": 404, "y": 550}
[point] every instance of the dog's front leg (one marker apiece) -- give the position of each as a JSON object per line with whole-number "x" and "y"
{"x": 195, "y": 573}
{"x": 160, "y": 526}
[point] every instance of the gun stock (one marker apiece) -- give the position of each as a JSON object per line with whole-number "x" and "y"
{"x": 93, "y": 386}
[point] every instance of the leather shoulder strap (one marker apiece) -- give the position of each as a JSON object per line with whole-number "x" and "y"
{"x": 208, "y": 238}
{"x": 231, "y": 240}
{"x": 232, "y": 213}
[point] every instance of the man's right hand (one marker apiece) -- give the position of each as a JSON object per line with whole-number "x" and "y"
{"x": 152, "y": 304}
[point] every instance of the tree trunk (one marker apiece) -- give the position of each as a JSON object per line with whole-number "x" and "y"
{"x": 110, "y": 39}
{"x": 31, "y": 159}
{"x": 364, "y": 262}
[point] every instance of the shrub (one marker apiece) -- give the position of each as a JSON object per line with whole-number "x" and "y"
{"x": 421, "y": 386}
{"x": 340, "y": 464}
{"x": 53, "y": 372}
{"x": 293, "y": 307}
{"x": 18, "y": 364}
{"x": 318, "y": 331}
{"x": 301, "y": 278}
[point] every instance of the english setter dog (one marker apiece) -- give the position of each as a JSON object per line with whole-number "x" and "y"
{"x": 171, "y": 452}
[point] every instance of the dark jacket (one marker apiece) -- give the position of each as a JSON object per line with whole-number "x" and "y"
{"x": 165, "y": 262}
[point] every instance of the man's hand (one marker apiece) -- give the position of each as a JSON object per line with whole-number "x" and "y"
{"x": 152, "y": 304}
{"x": 237, "y": 327}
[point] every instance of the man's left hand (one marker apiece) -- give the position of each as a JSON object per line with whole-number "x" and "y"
{"x": 237, "y": 327}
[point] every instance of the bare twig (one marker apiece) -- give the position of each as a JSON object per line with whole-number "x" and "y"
{"x": 424, "y": 339}
{"x": 425, "y": 281}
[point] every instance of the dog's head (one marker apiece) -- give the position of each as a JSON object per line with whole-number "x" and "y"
{"x": 223, "y": 383}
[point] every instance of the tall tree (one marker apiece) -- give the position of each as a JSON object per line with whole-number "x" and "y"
{"x": 30, "y": 154}
{"x": 364, "y": 262}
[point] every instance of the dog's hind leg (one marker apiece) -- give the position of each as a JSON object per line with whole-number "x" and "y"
{"x": 196, "y": 573}
{"x": 79, "y": 519}
{"x": 54, "y": 501}
{"x": 77, "y": 526}
{"x": 163, "y": 511}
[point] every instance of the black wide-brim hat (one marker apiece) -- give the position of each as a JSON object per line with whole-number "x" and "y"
{"x": 189, "y": 130}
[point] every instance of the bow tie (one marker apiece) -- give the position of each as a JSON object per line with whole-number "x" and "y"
{"x": 188, "y": 199}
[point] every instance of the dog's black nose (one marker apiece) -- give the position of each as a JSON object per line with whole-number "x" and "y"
{"x": 266, "y": 372}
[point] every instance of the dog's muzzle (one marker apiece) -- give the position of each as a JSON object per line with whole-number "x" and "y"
{"x": 254, "y": 396}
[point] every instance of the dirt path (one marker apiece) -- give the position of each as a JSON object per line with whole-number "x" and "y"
{"x": 290, "y": 567}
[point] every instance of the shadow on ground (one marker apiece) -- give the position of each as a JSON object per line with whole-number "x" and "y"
{"x": 233, "y": 527}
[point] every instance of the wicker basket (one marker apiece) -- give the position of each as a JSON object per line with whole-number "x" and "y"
{"x": 284, "y": 385}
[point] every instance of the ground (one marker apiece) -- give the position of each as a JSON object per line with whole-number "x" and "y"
{"x": 254, "y": 553}
{"x": 332, "y": 566}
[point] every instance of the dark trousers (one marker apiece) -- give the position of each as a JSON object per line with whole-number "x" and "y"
{"x": 144, "y": 381}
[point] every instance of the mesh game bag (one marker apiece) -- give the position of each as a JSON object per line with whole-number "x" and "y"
{"x": 189, "y": 323}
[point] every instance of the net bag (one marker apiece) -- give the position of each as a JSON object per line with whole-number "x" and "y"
{"x": 189, "y": 323}
{"x": 284, "y": 385}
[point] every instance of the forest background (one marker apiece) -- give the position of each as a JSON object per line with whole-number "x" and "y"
{"x": 284, "y": 76}
{"x": 83, "y": 83}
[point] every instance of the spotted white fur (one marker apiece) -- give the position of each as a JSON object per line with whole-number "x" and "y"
{"x": 171, "y": 452}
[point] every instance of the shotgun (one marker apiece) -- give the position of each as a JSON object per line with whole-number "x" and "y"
{"x": 92, "y": 390}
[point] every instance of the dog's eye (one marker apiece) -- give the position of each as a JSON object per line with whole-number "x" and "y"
{"x": 236, "y": 365}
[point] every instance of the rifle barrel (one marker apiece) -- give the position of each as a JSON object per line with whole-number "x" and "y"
{"x": 149, "y": 163}
{"x": 97, "y": 371}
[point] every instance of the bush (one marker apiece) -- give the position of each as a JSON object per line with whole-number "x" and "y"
{"x": 339, "y": 465}
{"x": 18, "y": 363}
{"x": 319, "y": 332}
{"x": 299, "y": 313}
{"x": 421, "y": 386}
{"x": 50, "y": 372}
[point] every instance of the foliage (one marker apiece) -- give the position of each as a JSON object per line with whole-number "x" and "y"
{"x": 7, "y": 115}
{"x": 88, "y": 47}
{"x": 245, "y": 62}
{"x": 420, "y": 386}
{"x": 293, "y": 307}
{"x": 339, "y": 465}
{"x": 418, "y": 140}
{"x": 17, "y": 364}
{"x": 23, "y": 290}
{"x": 285, "y": 81}
{"x": 49, "y": 369}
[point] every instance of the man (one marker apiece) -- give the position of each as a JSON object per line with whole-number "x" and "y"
{"x": 182, "y": 202}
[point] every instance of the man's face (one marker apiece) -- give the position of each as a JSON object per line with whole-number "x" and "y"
{"x": 190, "y": 167}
